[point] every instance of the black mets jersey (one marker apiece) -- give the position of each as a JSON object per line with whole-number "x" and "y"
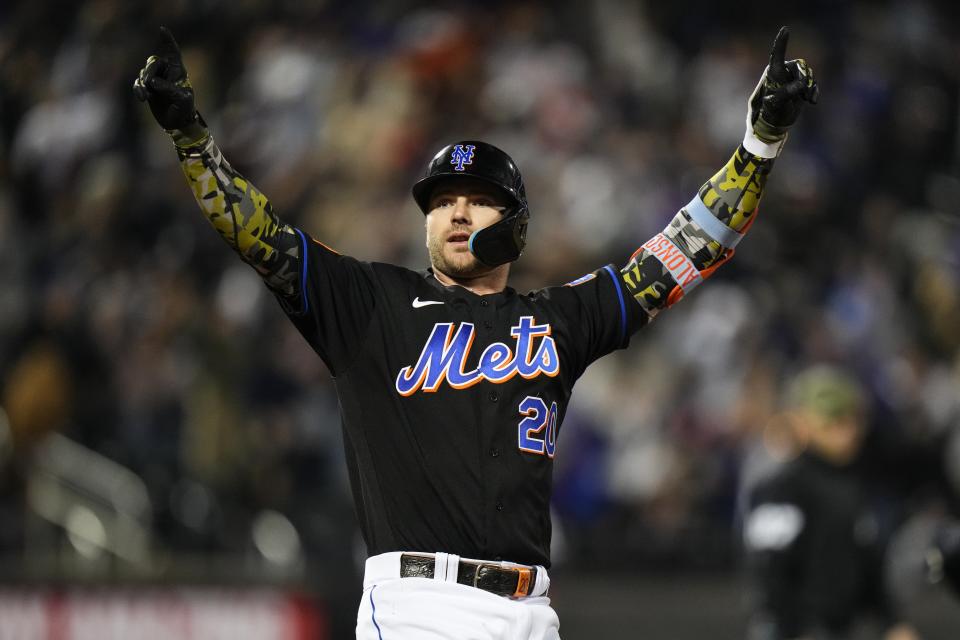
{"x": 452, "y": 402}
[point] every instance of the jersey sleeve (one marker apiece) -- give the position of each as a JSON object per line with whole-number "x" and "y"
{"x": 599, "y": 313}
{"x": 336, "y": 304}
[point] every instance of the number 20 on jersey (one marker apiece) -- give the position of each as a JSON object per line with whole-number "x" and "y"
{"x": 537, "y": 432}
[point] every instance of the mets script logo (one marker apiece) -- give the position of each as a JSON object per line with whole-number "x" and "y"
{"x": 460, "y": 156}
{"x": 444, "y": 357}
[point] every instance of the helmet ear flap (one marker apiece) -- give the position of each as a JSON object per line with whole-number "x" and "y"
{"x": 503, "y": 241}
{"x": 520, "y": 227}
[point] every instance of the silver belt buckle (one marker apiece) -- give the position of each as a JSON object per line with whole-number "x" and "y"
{"x": 481, "y": 565}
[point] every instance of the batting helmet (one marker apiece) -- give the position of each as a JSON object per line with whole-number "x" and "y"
{"x": 504, "y": 240}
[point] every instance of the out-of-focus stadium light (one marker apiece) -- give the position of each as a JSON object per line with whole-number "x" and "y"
{"x": 85, "y": 531}
{"x": 100, "y": 503}
{"x": 277, "y": 539}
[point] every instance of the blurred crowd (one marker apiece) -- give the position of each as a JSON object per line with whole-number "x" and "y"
{"x": 128, "y": 327}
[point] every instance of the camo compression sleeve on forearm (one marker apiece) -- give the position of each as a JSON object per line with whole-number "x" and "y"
{"x": 243, "y": 217}
{"x": 702, "y": 235}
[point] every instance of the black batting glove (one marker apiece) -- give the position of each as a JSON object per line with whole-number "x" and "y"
{"x": 164, "y": 85}
{"x": 785, "y": 87}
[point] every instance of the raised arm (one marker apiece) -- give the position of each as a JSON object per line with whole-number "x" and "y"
{"x": 241, "y": 214}
{"x": 704, "y": 233}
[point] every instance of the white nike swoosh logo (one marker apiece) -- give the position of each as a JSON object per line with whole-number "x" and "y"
{"x": 417, "y": 302}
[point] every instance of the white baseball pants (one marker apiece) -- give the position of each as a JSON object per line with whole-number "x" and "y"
{"x": 395, "y": 608}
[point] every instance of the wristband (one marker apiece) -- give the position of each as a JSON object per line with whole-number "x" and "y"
{"x": 192, "y": 135}
{"x": 721, "y": 233}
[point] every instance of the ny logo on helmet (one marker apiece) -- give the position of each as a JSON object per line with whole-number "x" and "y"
{"x": 460, "y": 156}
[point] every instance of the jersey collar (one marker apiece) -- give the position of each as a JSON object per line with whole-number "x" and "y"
{"x": 459, "y": 291}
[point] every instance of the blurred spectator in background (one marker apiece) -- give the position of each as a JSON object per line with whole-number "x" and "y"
{"x": 814, "y": 534}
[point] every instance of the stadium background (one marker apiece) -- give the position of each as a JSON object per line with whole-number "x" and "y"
{"x": 169, "y": 446}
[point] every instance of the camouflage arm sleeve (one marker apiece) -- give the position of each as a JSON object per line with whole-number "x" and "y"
{"x": 243, "y": 217}
{"x": 702, "y": 235}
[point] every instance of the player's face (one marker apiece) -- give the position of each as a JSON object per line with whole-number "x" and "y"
{"x": 455, "y": 213}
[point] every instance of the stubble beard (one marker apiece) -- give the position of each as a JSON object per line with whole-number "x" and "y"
{"x": 461, "y": 265}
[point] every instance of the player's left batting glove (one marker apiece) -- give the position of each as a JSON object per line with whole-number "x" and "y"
{"x": 164, "y": 85}
{"x": 778, "y": 99}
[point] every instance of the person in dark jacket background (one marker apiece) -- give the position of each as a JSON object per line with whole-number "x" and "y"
{"x": 815, "y": 544}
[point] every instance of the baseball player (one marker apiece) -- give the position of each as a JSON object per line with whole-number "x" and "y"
{"x": 452, "y": 385}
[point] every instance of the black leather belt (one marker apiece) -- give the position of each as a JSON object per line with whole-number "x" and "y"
{"x": 513, "y": 582}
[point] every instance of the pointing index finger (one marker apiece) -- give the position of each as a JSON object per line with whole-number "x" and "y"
{"x": 778, "y": 53}
{"x": 168, "y": 45}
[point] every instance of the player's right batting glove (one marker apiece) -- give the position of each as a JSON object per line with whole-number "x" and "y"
{"x": 164, "y": 85}
{"x": 784, "y": 88}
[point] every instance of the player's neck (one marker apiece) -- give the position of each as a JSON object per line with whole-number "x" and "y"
{"x": 494, "y": 281}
